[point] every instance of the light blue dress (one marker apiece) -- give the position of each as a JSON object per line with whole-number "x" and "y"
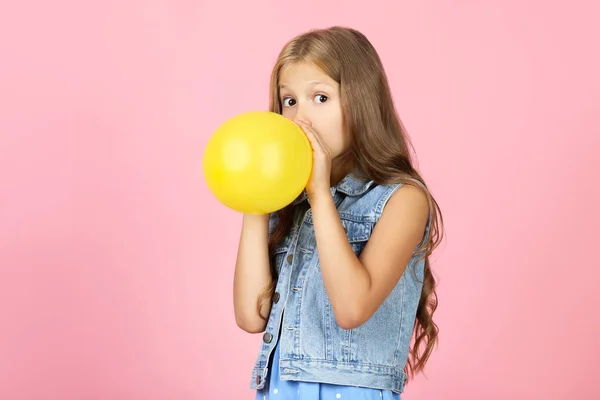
{"x": 277, "y": 389}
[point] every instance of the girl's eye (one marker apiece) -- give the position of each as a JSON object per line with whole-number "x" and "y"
{"x": 289, "y": 102}
{"x": 321, "y": 98}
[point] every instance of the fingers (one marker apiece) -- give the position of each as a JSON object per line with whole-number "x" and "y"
{"x": 312, "y": 137}
{"x": 315, "y": 139}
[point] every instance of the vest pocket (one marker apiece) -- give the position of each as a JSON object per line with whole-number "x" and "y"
{"x": 358, "y": 233}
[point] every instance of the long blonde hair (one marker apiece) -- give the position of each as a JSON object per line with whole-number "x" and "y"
{"x": 379, "y": 148}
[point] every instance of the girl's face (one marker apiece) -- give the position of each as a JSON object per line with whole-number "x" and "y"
{"x": 308, "y": 94}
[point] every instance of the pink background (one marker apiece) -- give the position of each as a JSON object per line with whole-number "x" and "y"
{"x": 116, "y": 262}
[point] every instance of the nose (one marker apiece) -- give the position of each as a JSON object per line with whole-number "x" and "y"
{"x": 301, "y": 114}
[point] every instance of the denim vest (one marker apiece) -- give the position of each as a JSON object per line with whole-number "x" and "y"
{"x": 313, "y": 346}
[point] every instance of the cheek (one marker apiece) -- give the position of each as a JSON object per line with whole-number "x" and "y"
{"x": 335, "y": 138}
{"x": 337, "y": 131}
{"x": 287, "y": 112}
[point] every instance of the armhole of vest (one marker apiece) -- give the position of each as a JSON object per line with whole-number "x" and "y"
{"x": 272, "y": 223}
{"x": 393, "y": 189}
{"x": 427, "y": 229}
{"x": 386, "y": 197}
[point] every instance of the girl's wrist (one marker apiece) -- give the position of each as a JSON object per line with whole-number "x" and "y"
{"x": 256, "y": 218}
{"x": 319, "y": 196}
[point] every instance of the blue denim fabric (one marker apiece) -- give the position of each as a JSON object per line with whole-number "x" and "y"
{"x": 279, "y": 389}
{"x": 312, "y": 345}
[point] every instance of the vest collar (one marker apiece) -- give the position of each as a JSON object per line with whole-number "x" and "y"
{"x": 350, "y": 185}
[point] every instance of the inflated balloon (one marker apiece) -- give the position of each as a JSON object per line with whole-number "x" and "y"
{"x": 257, "y": 162}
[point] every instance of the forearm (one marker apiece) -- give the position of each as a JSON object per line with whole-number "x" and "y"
{"x": 346, "y": 280}
{"x": 252, "y": 273}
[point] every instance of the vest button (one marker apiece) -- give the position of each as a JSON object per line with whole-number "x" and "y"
{"x": 275, "y": 297}
{"x": 257, "y": 379}
{"x": 267, "y": 337}
{"x": 290, "y": 258}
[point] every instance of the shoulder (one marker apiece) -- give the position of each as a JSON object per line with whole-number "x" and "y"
{"x": 405, "y": 214}
{"x": 408, "y": 198}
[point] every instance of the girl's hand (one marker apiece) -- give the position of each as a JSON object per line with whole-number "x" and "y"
{"x": 320, "y": 178}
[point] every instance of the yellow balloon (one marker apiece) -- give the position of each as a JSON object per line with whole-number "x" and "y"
{"x": 257, "y": 162}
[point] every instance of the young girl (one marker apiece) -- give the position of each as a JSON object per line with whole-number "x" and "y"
{"x": 339, "y": 280}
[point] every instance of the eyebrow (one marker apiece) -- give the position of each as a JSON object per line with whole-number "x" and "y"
{"x": 314, "y": 83}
